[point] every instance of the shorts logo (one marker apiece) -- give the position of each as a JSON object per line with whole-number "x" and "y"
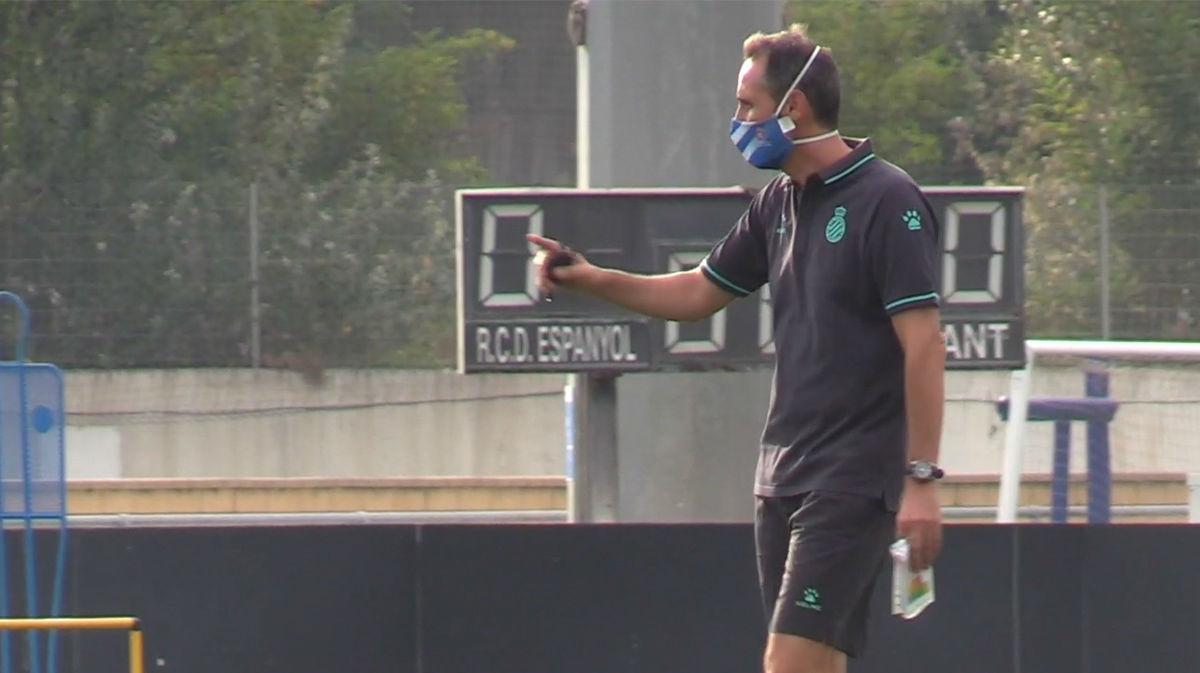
{"x": 913, "y": 219}
{"x": 836, "y": 228}
{"x": 810, "y": 599}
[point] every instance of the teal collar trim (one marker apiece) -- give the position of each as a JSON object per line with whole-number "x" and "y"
{"x": 848, "y": 171}
{"x": 860, "y": 154}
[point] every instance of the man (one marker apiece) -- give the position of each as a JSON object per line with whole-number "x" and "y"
{"x": 848, "y": 246}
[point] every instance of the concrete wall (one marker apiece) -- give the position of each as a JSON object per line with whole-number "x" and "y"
{"x": 242, "y": 423}
{"x": 688, "y": 441}
{"x": 360, "y": 423}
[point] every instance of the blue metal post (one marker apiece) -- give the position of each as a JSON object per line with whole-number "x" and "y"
{"x": 1099, "y": 461}
{"x": 38, "y": 408}
{"x": 1060, "y": 483}
{"x": 5, "y": 607}
{"x": 5, "y": 637}
{"x": 31, "y": 601}
{"x": 60, "y": 565}
{"x": 56, "y": 599}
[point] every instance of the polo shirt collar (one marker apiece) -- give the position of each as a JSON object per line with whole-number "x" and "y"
{"x": 860, "y": 155}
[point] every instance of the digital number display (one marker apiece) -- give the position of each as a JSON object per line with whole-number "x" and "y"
{"x": 504, "y": 326}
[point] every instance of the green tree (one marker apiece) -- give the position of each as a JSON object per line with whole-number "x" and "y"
{"x": 905, "y": 76}
{"x": 1063, "y": 98}
{"x": 130, "y": 133}
{"x": 1079, "y": 95}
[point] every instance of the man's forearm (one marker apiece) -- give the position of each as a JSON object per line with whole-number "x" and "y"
{"x": 920, "y": 517}
{"x": 924, "y": 395}
{"x": 673, "y": 296}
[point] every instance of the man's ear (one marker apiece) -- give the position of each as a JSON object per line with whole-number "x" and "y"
{"x": 797, "y": 106}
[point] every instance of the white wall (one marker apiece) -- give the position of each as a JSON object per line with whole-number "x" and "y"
{"x": 243, "y": 423}
{"x": 682, "y": 429}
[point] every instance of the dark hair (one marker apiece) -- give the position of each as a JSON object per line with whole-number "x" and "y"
{"x": 786, "y": 52}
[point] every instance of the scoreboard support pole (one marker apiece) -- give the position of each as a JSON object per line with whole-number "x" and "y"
{"x": 592, "y": 437}
{"x": 592, "y": 448}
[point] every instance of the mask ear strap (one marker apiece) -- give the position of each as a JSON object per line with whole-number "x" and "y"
{"x": 813, "y": 139}
{"x": 796, "y": 82}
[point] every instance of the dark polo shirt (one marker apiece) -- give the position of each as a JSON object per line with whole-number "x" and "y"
{"x": 853, "y": 246}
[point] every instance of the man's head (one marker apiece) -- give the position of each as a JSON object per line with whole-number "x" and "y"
{"x": 772, "y": 63}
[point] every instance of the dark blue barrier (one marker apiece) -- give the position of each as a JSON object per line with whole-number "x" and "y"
{"x": 248, "y": 600}
{"x": 538, "y": 599}
{"x": 611, "y": 599}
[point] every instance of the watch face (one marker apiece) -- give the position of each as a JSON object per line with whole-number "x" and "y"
{"x": 922, "y": 470}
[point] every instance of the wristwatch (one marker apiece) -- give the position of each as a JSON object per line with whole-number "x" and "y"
{"x": 924, "y": 471}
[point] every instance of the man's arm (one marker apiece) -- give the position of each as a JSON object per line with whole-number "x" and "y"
{"x": 920, "y": 517}
{"x": 683, "y": 295}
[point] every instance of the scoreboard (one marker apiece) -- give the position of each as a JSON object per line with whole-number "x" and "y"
{"x": 503, "y": 325}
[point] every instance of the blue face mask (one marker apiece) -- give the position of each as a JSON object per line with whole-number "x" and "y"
{"x": 765, "y": 144}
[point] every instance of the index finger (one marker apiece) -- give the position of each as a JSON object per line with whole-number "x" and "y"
{"x": 544, "y": 243}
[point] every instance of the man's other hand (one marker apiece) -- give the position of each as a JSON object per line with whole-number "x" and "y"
{"x": 920, "y": 522}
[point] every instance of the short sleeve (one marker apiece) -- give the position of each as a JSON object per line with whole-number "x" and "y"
{"x": 738, "y": 262}
{"x": 902, "y": 247}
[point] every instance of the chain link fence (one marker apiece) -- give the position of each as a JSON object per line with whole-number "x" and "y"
{"x": 1113, "y": 261}
{"x": 360, "y": 274}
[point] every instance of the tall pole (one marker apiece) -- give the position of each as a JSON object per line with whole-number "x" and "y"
{"x": 1105, "y": 269}
{"x": 1010, "y": 469}
{"x": 577, "y": 17}
{"x": 591, "y": 398}
{"x": 583, "y": 144}
{"x": 255, "y": 308}
{"x": 594, "y": 488}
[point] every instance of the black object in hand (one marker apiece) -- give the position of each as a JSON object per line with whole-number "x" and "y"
{"x": 562, "y": 257}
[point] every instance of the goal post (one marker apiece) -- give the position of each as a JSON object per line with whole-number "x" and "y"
{"x": 1159, "y": 381}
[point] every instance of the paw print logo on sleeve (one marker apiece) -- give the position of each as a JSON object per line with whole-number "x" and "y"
{"x": 913, "y": 219}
